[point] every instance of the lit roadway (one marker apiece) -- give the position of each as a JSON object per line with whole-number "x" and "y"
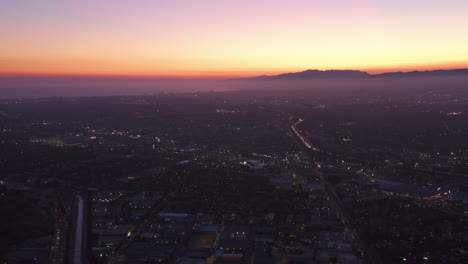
{"x": 335, "y": 202}
{"x": 79, "y": 247}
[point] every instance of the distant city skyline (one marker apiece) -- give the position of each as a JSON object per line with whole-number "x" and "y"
{"x": 219, "y": 39}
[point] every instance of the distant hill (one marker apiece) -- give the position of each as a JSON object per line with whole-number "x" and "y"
{"x": 436, "y": 73}
{"x": 309, "y": 74}
{"x": 351, "y": 74}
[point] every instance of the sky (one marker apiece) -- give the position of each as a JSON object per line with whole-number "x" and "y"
{"x": 218, "y": 39}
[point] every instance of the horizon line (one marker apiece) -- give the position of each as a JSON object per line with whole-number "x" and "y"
{"x": 210, "y": 76}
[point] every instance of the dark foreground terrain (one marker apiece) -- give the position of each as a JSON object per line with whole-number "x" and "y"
{"x": 358, "y": 175}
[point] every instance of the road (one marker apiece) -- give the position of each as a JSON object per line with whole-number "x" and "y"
{"x": 79, "y": 248}
{"x": 337, "y": 206}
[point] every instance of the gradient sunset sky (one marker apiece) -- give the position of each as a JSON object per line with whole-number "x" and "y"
{"x": 216, "y": 38}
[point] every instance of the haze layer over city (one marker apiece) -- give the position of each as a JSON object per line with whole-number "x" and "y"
{"x": 234, "y": 132}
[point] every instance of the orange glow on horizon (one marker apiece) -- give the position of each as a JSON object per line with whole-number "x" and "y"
{"x": 228, "y": 39}
{"x": 205, "y": 74}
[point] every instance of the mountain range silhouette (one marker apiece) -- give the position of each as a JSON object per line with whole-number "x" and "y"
{"x": 351, "y": 74}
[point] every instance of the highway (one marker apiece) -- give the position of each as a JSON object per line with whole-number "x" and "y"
{"x": 78, "y": 245}
{"x": 337, "y": 206}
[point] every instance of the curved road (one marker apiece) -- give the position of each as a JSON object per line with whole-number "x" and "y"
{"x": 369, "y": 253}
